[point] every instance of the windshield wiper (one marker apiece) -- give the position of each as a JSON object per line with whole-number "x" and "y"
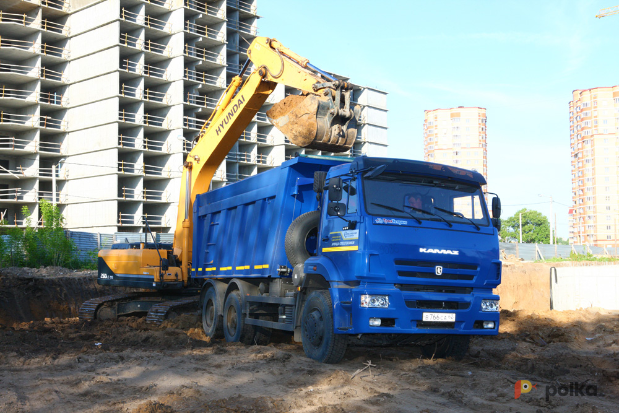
{"x": 459, "y": 215}
{"x": 390, "y": 208}
{"x": 423, "y": 211}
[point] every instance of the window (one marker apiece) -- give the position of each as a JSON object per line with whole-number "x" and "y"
{"x": 609, "y": 227}
{"x": 352, "y": 200}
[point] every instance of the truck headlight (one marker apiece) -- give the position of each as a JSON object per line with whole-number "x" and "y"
{"x": 489, "y": 305}
{"x": 375, "y": 301}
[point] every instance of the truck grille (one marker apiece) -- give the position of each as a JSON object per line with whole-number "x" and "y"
{"x": 438, "y": 305}
{"x": 432, "y": 276}
{"x": 445, "y": 265}
{"x": 434, "y": 289}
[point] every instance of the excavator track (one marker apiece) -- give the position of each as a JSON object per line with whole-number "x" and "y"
{"x": 88, "y": 310}
{"x": 158, "y": 312}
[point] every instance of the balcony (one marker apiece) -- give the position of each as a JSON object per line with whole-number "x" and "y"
{"x": 146, "y": 120}
{"x": 23, "y": 122}
{"x": 143, "y": 69}
{"x": 193, "y": 123}
{"x": 30, "y": 97}
{"x": 204, "y": 55}
{"x": 204, "y": 78}
{"x": 199, "y": 100}
{"x": 243, "y": 27}
{"x": 131, "y": 168}
{"x": 236, "y": 69}
{"x": 262, "y": 118}
{"x": 262, "y": 159}
{"x": 151, "y": 145}
{"x": 35, "y": 48}
{"x": 49, "y": 196}
{"x": 141, "y": 94}
{"x": 210, "y": 12}
{"x": 153, "y": 195}
{"x": 30, "y": 22}
{"x": 217, "y": 36}
{"x": 145, "y": 21}
{"x": 18, "y": 195}
{"x": 144, "y": 45}
{"x": 243, "y": 6}
{"x": 156, "y": 220}
{"x": 53, "y": 4}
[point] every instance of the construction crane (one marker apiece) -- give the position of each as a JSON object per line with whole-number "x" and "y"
{"x": 607, "y": 12}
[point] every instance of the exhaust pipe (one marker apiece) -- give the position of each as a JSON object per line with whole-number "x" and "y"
{"x": 318, "y": 122}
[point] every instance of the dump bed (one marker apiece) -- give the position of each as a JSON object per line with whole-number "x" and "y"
{"x": 239, "y": 230}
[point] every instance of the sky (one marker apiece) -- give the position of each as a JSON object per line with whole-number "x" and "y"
{"x": 520, "y": 60}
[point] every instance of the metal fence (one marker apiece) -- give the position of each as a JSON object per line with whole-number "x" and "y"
{"x": 533, "y": 252}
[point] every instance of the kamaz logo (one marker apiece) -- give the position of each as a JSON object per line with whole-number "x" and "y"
{"x": 437, "y": 251}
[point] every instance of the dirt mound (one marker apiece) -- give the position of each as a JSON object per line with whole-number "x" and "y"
{"x": 153, "y": 407}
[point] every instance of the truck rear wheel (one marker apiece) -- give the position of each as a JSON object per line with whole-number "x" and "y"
{"x": 302, "y": 237}
{"x": 320, "y": 342}
{"x": 455, "y": 346}
{"x": 235, "y": 328}
{"x": 211, "y": 319}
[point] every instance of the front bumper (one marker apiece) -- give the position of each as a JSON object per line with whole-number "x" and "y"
{"x": 404, "y": 317}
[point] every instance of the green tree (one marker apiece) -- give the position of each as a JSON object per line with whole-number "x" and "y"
{"x": 535, "y": 227}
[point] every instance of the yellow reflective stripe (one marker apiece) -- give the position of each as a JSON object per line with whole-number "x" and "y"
{"x": 225, "y": 268}
{"x": 265, "y": 266}
{"x": 193, "y": 269}
{"x": 210, "y": 269}
{"x": 260, "y": 267}
{"x": 243, "y": 267}
{"x": 199, "y": 269}
{"x": 334, "y": 249}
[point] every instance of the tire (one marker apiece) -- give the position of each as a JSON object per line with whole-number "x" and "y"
{"x": 301, "y": 235}
{"x": 320, "y": 177}
{"x": 318, "y": 336}
{"x": 211, "y": 319}
{"x": 234, "y": 325}
{"x": 455, "y": 346}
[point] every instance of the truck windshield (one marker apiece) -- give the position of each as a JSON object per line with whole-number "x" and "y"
{"x": 425, "y": 198}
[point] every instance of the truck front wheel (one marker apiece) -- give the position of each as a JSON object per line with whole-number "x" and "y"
{"x": 235, "y": 328}
{"x": 210, "y": 315}
{"x": 455, "y": 346}
{"x": 320, "y": 342}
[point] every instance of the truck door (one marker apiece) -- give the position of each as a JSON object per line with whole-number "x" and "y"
{"x": 340, "y": 235}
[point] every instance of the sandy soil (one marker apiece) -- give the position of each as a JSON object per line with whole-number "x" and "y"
{"x": 65, "y": 365}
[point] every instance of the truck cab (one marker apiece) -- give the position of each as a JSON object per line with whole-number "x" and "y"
{"x": 408, "y": 247}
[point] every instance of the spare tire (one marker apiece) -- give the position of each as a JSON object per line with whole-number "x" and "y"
{"x": 302, "y": 238}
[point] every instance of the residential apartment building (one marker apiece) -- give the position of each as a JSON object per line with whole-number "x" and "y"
{"x": 457, "y": 137}
{"x": 102, "y": 100}
{"x": 594, "y": 140}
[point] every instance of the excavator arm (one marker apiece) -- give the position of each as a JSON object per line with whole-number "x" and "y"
{"x": 318, "y": 119}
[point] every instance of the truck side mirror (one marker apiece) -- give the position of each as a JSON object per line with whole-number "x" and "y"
{"x": 496, "y": 222}
{"x": 335, "y": 189}
{"x": 496, "y": 207}
{"x": 336, "y": 209}
{"x": 165, "y": 264}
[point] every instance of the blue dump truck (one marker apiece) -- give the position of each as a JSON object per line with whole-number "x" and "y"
{"x": 342, "y": 251}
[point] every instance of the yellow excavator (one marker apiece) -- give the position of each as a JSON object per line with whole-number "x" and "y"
{"x": 321, "y": 117}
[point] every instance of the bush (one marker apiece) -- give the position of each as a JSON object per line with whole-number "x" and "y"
{"x": 45, "y": 246}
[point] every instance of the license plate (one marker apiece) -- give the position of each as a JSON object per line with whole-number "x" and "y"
{"x": 440, "y": 317}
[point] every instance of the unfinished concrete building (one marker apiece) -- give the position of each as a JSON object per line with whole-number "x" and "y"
{"x": 112, "y": 93}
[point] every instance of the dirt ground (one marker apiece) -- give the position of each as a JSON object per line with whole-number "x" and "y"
{"x": 64, "y": 365}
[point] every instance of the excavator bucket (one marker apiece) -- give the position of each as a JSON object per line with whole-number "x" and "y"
{"x": 314, "y": 122}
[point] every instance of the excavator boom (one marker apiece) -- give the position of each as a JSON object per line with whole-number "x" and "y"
{"x": 321, "y": 117}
